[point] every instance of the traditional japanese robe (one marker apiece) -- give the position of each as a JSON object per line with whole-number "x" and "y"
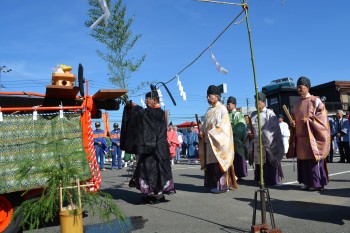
{"x": 216, "y": 149}
{"x": 285, "y": 134}
{"x": 191, "y": 140}
{"x": 173, "y": 142}
{"x": 238, "y": 125}
{"x": 272, "y": 146}
{"x": 144, "y": 132}
{"x": 312, "y": 129}
{"x": 218, "y": 138}
{"x": 312, "y": 141}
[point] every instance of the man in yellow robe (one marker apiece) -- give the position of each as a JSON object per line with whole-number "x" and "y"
{"x": 216, "y": 148}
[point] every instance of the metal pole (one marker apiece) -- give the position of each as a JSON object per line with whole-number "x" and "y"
{"x": 247, "y": 106}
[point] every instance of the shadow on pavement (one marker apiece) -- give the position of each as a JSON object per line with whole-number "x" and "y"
{"x": 194, "y": 176}
{"x": 223, "y": 228}
{"x": 191, "y": 188}
{"x": 307, "y": 210}
{"x": 131, "y": 224}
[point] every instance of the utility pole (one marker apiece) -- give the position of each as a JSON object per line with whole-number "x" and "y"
{"x": 3, "y": 69}
{"x": 247, "y": 106}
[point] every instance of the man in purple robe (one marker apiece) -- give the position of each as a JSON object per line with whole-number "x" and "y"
{"x": 272, "y": 144}
{"x": 312, "y": 140}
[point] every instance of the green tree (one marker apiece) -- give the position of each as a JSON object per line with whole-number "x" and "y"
{"x": 119, "y": 40}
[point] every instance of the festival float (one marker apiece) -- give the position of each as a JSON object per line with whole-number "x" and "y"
{"x": 47, "y": 157}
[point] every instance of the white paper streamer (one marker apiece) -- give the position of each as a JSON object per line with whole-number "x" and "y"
{"x": 105, "y": 16}
{"x": 181, "y": 89}
{"x": 1, "y": 117}
{"x": 160, "y": 97}
{"x": 218, "y": 66}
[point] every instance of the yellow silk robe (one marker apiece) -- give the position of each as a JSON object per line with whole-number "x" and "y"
{"x": 216, "y": 145}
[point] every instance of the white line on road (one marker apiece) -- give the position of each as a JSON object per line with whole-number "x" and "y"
{"x": 334, "y": 174}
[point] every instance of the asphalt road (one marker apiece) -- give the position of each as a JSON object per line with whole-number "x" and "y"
{"x": 193, "y": 209}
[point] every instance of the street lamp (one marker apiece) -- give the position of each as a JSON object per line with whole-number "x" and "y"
{"x": 3, "y": 69}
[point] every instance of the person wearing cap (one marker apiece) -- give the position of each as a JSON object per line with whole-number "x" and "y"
{"x": 285, "y": 132}
{"x": 341, "y": 126}
{"x": 238, "y": 125}
{"x": 100, "y": 145}
{"x": 191, "y": 141}
{"x": 144, "y": 133}
{"x": 116, "y": 152}
{"x": 216, "y": 149}
{"x": 311, "y": 142}
{"x": 272, "y": 144}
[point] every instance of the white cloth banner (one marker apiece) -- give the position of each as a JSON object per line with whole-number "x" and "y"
{"x": 218, "y": 66}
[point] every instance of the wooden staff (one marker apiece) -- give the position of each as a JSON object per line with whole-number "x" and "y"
{"x": 233, "y": 174}
{"x": 201, "y": 157}
{"x": 287, "y": 113}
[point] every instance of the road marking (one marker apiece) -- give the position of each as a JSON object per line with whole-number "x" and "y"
{"x": 334, "y": 174}
{"x": 286, "y": 183}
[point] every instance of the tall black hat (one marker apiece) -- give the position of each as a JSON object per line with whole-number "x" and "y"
{"x": 214, "y": 90}
{"x": 152, "y": 94}
{"x": 304, "y": 81}
{"x": 231, "y": 100}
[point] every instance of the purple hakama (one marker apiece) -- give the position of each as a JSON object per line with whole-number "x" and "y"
{"x": 312, "y": 175}
{"x": 215, "y": 178}
{"x": 271, "y": 174}
{"x": 240, "y": 165}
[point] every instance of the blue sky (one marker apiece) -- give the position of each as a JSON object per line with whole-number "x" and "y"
{"x": 298, "y": 37}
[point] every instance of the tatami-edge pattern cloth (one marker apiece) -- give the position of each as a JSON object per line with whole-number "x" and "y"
{"x": 37, "y": 146}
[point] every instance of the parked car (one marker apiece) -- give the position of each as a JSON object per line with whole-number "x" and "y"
{"x": 275, "y": 84}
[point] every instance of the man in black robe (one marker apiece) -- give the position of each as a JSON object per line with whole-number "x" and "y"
{"x": 144, "y": 133}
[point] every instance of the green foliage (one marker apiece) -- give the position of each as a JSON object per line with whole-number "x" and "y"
{"x": 45, "y": 208}
{"x": 118, "y": 40}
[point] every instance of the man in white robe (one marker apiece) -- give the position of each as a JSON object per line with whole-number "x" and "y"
{"x": 285, "y": 132}
{"x": 216, "y": 149}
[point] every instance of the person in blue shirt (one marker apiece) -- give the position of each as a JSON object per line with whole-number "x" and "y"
{"x": 116, "y": 152}
{"x": 341, "y": 126}
{"x": 332, "y": 133}
{"x": 99, "y": 144}
{"x": 191, "y": 140}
